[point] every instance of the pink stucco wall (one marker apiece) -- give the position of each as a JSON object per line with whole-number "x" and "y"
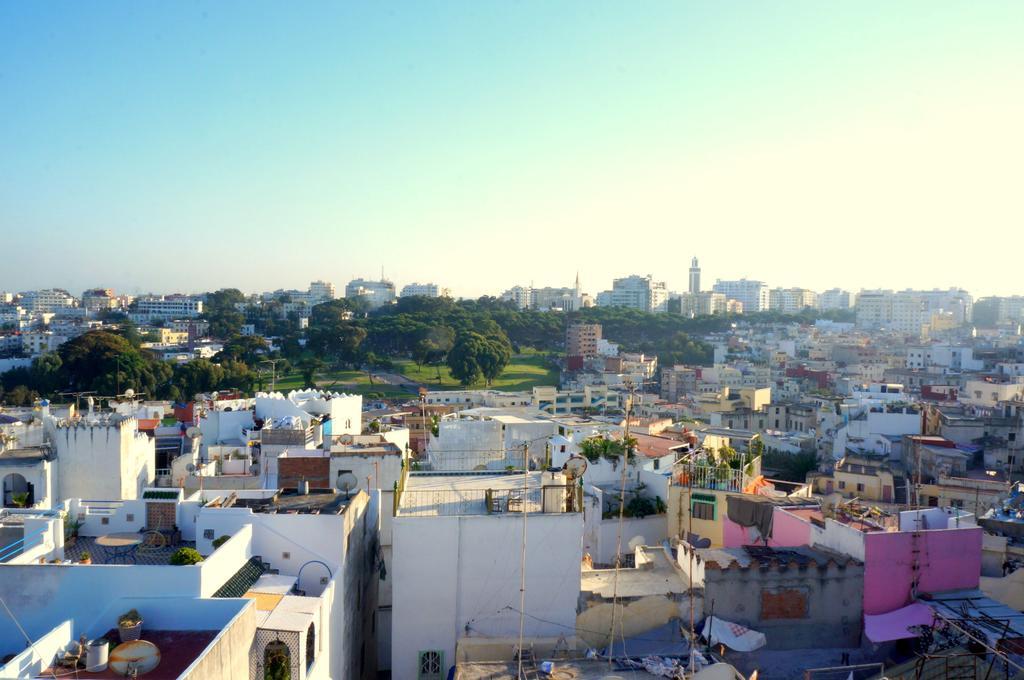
{"x": 950, "y": 559}
{"x": 787, "y": 531}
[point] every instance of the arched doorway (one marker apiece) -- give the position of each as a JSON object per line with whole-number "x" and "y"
{"x": 16, "y": 488}
{"x": 310, "y": 646}
{"x": 277, "y": 661}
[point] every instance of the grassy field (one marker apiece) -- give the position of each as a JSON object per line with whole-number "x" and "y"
{"x": 293, "y": 380}
{"x": 524, "y": 372}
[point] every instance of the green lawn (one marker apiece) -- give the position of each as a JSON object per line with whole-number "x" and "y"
{"x": 348, "y": 379}
{"x": 524, "y": 372}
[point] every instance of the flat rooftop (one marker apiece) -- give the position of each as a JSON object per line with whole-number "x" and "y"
{"x": 655, "y": 574}
{"x": 179, "y": 649}
{"x": 749, "y": 554}
{"x": 316, "y": 502}
{"x": 578, "y": 669}
{"x": 467, "y": 493}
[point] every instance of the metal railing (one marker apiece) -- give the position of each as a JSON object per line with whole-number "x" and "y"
{"x": 455, "y": 502}
{"x": 23, "y": 544}
{"x": 709, "y": 477}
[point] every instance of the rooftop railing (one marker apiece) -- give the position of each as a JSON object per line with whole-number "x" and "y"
{"x": 551, "y": 499}
{"x": 715, "y": 477}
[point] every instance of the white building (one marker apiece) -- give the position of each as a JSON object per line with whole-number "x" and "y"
{"x": 834, "y": 298}
{"x": 425, "y": 290}
{"x": 636, "y": 292}
{"x": 151, "y": 308}
{"x": 47, "y": 300}
{"x": 791, "y": 300}
{"x": 376, "y": 293}
{"x": 874, "y": 308}
{"x": 103, "y": 457}
{"x": 752, "y": 294}
{"x": 522, "y": 296}
{"x": 321, "y": 291}
{"x": 458, "y": 544}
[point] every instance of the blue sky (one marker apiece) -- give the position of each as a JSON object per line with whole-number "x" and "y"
{"x": 188, "y": 146}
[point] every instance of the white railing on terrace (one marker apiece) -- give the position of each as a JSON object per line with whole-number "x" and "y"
{"x": 715, "y": 477}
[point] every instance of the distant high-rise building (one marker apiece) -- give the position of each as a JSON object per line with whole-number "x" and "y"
{"x": 522, "y": 296}
{"x": 636, "y": 292}
{"x": 752, "y": 294}
{"x": 321, "y": 291}
{"x": 581, "y": 339}
{"x": 376, "y": 293}
{"x": 47, "y": 300}
{"x": 791, "y": 300}
{"x": 694, "y": 276}
{"x": 834, "y": 298}
{"x": 99, "y": 300}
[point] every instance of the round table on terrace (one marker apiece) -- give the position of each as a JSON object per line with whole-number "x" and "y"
{"x": 120, "y": 547}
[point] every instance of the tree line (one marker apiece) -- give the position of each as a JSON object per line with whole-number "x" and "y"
{"x": 475, "y": 339}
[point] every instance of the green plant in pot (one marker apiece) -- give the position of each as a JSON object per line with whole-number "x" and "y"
{"x": 186, "y": 556}
{"x": 129, "y": 625}
{"x": 85, "y": 557}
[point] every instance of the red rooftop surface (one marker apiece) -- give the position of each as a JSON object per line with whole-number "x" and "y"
{"x": 179, "y": 649}
{"x": 932, "y": 440}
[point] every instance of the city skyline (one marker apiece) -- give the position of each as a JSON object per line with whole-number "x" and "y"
{"x": 160, "y": 149}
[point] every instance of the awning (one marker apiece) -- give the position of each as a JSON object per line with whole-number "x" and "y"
{"x": 894, "y": 625}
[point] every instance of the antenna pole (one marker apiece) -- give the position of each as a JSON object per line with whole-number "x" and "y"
{"x": 522, "y": 558}
{"x": 618, "y": 531}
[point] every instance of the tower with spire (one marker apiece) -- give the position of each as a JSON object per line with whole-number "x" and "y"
{"x": 694, "y": 276}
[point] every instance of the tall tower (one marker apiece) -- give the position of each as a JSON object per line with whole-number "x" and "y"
{"x": 694, "y": 276}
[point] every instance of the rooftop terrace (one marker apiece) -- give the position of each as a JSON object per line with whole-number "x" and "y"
{"x": 485, "y": 493}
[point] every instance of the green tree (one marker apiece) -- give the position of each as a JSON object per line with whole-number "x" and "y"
{"x": 249, "y": 349}
{"x": 220, "y": 308}
{"x": 197, "y": 377}
{"x": 464, "y": 357}
{"x": 309, "y": 367}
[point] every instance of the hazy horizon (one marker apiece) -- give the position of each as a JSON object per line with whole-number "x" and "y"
{"x": 480, "y": 146}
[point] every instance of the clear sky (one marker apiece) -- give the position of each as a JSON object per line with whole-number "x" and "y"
{"x": 189, "y": 146}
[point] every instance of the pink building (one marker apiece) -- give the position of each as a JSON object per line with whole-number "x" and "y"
{"x": 921, "y": 551}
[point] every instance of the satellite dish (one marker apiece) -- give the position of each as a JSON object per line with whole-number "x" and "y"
{"x": 134, "y": 658}
{"x": 192, "y": 432}
{"x": 190, "y": 467}
{"x": 346, "y": 482}
{"x": 129, "y": 393}
{"x": 636, "y": 541}
{"x": 575, "y": 467}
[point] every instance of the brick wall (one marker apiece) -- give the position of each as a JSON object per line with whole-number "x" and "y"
{"x": 292, "y": 471}
{"x": 784, "y": 603}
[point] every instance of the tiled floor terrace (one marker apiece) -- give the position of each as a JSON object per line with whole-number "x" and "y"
{"x": 100, "y": 555}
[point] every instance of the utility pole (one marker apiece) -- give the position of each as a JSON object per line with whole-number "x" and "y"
{"x": 273, "y": 372}
{"x": 522, "y": 559}
{"x": 622, "y": 513}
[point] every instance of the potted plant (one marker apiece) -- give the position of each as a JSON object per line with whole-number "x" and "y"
{"x": 129, "y": 625}
{"x": 186, "y": 556}
{"x": 96, "y": 655}
{"x": 85, "y": 558}
{"x": 19, "y": 500}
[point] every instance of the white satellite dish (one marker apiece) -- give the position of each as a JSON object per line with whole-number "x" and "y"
{"x": 575, "y": 467}
{"x": 129, "y": 393}
{"x": 192, "y": 432}
{"x": 346, "y": 482}
{"x": 636, "y": 542}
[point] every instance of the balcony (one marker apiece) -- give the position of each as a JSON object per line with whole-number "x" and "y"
{"x": 709, "y": 475}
